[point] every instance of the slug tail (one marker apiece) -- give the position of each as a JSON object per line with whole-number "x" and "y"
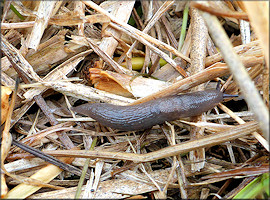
{"x": 83, "y": 109}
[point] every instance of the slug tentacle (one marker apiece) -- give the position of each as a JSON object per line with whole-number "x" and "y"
{"x": 148, "y": 114}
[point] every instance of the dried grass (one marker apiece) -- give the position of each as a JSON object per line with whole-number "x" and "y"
{"x": 49, "y": 43}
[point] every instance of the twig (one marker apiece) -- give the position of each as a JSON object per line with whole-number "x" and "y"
{"x": 48, "y": 158}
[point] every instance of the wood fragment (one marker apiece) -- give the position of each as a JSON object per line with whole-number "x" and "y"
{"x": 18, "y": 60}
{"x": 45, "y": 11}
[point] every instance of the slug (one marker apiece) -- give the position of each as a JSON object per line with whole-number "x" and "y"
{"x": 157, "y": 111}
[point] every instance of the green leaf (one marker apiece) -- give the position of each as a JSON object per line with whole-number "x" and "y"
{"x": 258, "y": 186}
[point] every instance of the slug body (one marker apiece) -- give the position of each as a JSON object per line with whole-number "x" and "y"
{"x": 148, "y": 114}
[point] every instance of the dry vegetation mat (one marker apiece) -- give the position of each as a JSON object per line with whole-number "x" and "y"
{"x": 134, "y": 99}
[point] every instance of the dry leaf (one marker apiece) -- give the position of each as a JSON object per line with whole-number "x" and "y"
{"x": 125, "y": 85}
{"x": 5, "y": 92}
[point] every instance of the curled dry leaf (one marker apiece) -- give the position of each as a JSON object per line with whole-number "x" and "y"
{"x": 5, "y": 93}
{"x": 125, "y": 85}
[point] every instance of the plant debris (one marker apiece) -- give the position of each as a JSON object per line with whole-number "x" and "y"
{"x": 60, "y": 54}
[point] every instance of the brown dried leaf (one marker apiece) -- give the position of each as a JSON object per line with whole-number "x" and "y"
{"x": 71, "y": 19}
{"x": 125, "y": 85}
{"x": 5, "y": 93}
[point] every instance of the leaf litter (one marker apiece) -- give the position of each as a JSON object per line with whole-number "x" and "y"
{"x": 64, "y": 54}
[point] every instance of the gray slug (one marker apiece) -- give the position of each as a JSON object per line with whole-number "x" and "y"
{"x": 157, "y": 111}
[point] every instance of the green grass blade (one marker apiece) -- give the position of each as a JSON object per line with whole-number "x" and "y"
{"x": 256, "y": 187}
{"x": 184, "y": 27}
{"x": 85, "y": 167}
{"x": 16, "y": 12}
